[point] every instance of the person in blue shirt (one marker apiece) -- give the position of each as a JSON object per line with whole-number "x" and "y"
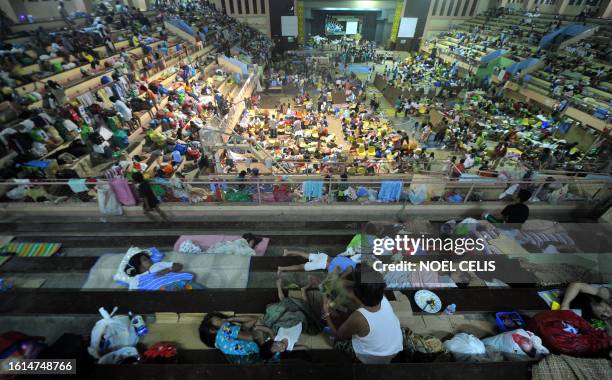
{"x": 176, "y": 157}
{"x": 233, "y": 336}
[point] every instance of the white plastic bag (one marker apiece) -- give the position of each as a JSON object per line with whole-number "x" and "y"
{"x": 189, "y": 247}
{"x": 351, "y": 193}
{"x": 111, "y": 333}
{"x": 558, "y": 195}
{"x": 463, "y": 346}
{"x": 107, "y": 201}
{"x": 17, "y": 193}
{"x": 506, "y": 343}
{"x": 417, "y": 194}
{"x": 509, "y": 192}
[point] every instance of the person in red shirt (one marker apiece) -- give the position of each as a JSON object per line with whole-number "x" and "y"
{"x": 459, "y": 168}
{"x": 150, "y": 95}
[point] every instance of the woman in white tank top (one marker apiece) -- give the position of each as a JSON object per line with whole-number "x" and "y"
{"x": 373, "y": 328}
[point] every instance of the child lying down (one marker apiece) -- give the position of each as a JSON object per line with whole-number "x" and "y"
{"x": 162, "y": 275}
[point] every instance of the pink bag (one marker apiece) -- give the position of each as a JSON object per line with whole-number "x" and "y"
{"x": 122, "y": 191}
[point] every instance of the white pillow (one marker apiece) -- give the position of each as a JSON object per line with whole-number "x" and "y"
{"x": 120, "y": 276}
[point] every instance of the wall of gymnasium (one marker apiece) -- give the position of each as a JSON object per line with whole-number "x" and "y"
{"x": 445, "y": 13}
{"x": 40, "y": 9}
{"x": 255, "y": 13}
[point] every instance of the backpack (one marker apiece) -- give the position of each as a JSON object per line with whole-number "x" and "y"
{"x": 555, "y": 329}
{"x": 111, "y": 333}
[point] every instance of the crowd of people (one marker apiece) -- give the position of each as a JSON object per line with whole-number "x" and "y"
{"x": 57, "y": 130}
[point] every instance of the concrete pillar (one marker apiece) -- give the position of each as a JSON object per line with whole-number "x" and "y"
{"x": 429, "y": 14}
{"x": 562, "y": 6}
{"x": 447, "y": 8}
{"x": 606, "y": 10}
{"x": 453, "y": 7}
{"x": 530, "y": 5}
{"x": 79, "y": 5}
{"x": 7, "y": 8}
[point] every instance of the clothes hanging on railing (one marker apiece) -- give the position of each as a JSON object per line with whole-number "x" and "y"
{"x": 390, "y": 191}
{"x": 313, "y": 189}
{"x": 77, "y": 185}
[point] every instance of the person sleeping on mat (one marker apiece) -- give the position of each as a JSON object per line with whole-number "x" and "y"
{"x": 251, "y": 339}
{"x": 163, "y": 275}
{"x": 318, "y": 261}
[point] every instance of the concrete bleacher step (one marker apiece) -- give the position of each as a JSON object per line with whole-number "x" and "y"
{"x": 328, "y": 368}
{"x": 83, "y": 302}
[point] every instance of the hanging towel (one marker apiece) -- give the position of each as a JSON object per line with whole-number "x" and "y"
{"x": 313, "y": 189}
{"x": 122, "y": 191}
{"x": 390, "y": 191}
{"x": 77, "y": 185}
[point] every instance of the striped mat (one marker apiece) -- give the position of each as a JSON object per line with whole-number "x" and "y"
{"x": 31, "y": 249}
{"x": 4, "y": 259}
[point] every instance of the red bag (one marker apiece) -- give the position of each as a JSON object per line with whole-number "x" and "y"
{"x": 553, "y": 326}
{"x": 161, "y": 353}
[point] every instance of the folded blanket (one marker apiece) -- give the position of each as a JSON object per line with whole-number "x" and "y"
{"x": 236, "y": 247}
{"x": 151, "y": 281}
{"x": 289, "y": 312}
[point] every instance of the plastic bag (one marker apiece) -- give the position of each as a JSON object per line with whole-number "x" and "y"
{"x": 509, "y": 192}
{"x": 351, "y": 193}
{"x": 122, "y": 190}
{"x": 107, "y": 201}
{"x": 463, "y": 346}
{"x": 558, "y": 195}
{"x": 517, "y": 342}
{"x": 190, "y": 247}
{"x": 17, "y": 193}
{"x": 111, "y": 333}
{"x": 417, "y": 194}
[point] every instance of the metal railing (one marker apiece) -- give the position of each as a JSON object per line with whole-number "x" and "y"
{"x": 302, "y": 189}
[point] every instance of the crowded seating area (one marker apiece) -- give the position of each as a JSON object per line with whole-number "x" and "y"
{"x": 577, "y": 74}
{"x": 185, "y": 193}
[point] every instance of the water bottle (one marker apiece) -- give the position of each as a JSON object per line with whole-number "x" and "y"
{"x": 450, "y": 309}
{"x": 139, "y": 324}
